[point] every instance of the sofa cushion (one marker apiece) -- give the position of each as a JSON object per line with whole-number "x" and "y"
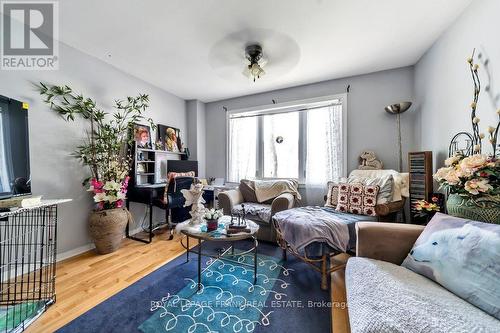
{"x": 463, "y": 256}
{"x": 383, "y": 297}
{"x": 254, "y": 211}
{"x": 385, "y": 183}
{"x": 401, "y": 180}
{"x": 247, "y": 189}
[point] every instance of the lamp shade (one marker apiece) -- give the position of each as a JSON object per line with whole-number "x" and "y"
{"x": 398, "y": 108}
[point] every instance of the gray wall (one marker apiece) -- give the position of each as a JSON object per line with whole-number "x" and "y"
{"x": 196, "y": 135}
{"x": 443, "y": 85}
{"x": 54, "y": 173}
{"x": 368, "y": 125}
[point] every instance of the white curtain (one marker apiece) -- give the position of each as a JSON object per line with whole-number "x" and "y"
{"x": 242, "y": 148}
{"x": 325, "y": 155}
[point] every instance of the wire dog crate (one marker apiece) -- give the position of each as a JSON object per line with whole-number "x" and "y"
{"x": 27, "y": 265}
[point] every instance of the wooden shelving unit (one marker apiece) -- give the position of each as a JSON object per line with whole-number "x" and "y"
{"x": 421, "y": 183}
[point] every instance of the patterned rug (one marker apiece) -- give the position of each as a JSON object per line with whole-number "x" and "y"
{"x": 286, "y": 297}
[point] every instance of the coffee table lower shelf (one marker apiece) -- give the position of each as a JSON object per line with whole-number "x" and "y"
{"x": 223, "y": 255}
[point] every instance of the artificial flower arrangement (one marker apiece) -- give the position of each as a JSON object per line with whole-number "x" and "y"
{"x": 475, "y": 175}
{"x": 472, "y": 176}
{"x": 105, "y": 151}
{"x": 109, "y": 194}
{"x": 423, "y": 208}
{"x": 213, "y": 214}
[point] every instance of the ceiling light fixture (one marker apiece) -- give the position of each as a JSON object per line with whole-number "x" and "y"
{"x": 254, "y": 55}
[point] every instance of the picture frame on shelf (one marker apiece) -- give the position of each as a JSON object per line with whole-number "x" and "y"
{"x": 142, "y": 135}
{"x": 170, "y": 137}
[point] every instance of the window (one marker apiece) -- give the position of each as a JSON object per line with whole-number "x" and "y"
{"x": 304, "y": 141}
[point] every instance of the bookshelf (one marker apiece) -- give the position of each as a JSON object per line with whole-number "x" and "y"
{"x": 150, "y": 165}
{"x": 421, "y": 183}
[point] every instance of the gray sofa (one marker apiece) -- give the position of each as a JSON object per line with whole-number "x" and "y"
{"x": 383, "y": 296}
{"x": 261, "y": 213}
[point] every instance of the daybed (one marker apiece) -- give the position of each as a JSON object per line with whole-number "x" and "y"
{"x": 314, "y": 234}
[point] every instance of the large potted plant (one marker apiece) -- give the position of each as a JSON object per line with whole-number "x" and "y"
{"x": 105, "y": 152}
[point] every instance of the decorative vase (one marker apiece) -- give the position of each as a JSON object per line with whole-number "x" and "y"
{"x": 212, "y": 224}
{"x": 107, "y": 228}
{"x": 486, "y": 209}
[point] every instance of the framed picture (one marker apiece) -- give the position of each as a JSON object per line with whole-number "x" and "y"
{"x": 142, "y": 135}
{"x": 170, "y": 137}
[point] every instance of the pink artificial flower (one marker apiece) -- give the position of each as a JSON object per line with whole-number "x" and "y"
{"x": 100, "y": 205}
{"x": 96, "y": 184}
{"x": 98, "y": 190}
{"x": 119, "y": 203}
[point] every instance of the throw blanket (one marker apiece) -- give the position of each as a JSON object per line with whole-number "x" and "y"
{"x": 270, "y": 189}
{"x": 307, "y": 225}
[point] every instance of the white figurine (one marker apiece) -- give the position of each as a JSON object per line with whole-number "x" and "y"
{"x": 194, "y": 197}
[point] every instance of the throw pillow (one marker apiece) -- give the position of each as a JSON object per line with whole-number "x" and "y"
{"x": 463, "y": 256}
{"x": 247, "y": 189}
{"x": 171, "y": 175}
{"x": 357, "y": 199}
{"x": 332, "y": 195}
{"x": 385, "y": 183}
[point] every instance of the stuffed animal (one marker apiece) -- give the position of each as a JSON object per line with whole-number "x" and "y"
{"x": 368, "y": 161}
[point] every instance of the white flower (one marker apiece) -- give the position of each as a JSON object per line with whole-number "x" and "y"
{"x": 112, "y": 186}
{"x": 476, "y": 186}
{"x": 452, "y": 160}
{"x": 472, "y": 163}
{"x": 441, "y": 173}
{"x": 100, "y": 197}
{"x": 121, "y": 195}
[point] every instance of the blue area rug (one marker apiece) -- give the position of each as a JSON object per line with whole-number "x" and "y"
{"x": 287, "y": 297}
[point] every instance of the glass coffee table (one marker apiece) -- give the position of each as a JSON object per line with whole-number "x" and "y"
{"x": 200, "y": 234}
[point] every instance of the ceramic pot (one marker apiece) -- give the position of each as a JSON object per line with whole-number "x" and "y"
{"x": 485, "y": 209}
{"x": 107, "y": 228}
{"x": 212, "y": 224}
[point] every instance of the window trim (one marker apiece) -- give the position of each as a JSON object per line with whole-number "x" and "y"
{"x": 291, "y": 106}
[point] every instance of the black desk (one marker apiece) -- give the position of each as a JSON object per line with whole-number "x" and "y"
{"x": 151, "y": 195}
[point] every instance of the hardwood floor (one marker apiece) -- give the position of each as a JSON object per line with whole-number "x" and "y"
{"x": 340, "y": 316}
{"x": 86, "y": 280}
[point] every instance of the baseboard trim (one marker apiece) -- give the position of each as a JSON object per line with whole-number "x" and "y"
{"x": 74, "y": 252}
{"x": 85, "y": 248}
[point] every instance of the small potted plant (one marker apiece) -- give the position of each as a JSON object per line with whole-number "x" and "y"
{"x": 212, "y": 217}
{"x": 425, "y": 210}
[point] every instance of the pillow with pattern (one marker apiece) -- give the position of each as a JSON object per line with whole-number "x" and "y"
{"x": 357, "y": 199}
{"x": 332, "y": 195}
{"x": 463, "y": 256}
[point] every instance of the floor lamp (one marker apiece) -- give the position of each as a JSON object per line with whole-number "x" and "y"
{"x": 397, "y": 109}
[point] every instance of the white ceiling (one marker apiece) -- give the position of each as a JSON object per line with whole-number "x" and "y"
{"x": 169, "y": 43}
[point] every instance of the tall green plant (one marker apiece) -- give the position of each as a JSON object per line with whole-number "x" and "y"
{"x": 105, "y": 150}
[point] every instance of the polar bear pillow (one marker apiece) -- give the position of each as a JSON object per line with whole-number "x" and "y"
{"x": 463, "y": 256}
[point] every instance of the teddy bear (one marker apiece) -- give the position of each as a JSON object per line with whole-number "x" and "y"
{"x": 368, "y": 161}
